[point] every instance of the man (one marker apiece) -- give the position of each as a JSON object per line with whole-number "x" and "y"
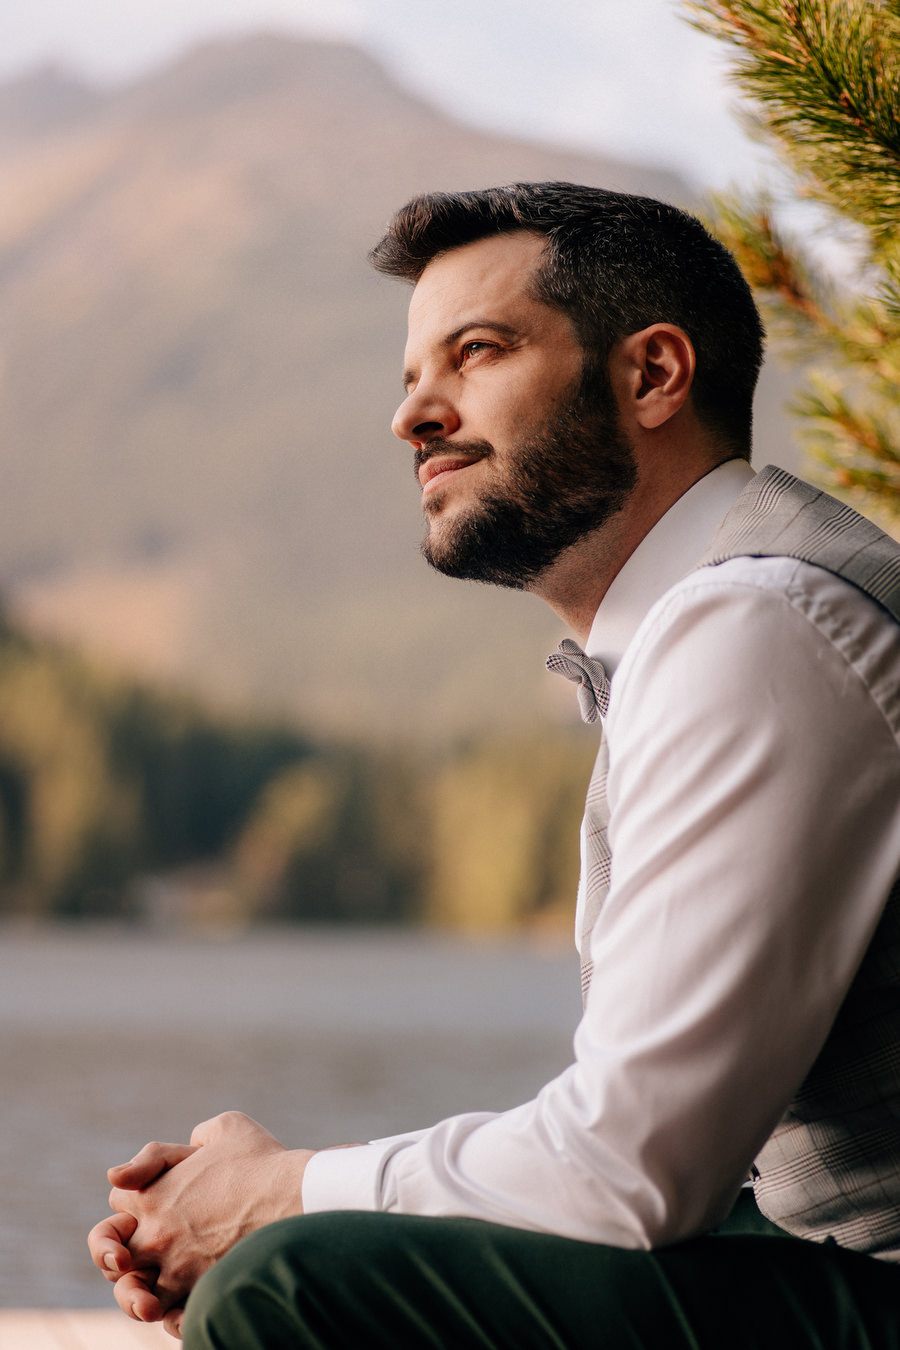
{"x": 579, "y": 374}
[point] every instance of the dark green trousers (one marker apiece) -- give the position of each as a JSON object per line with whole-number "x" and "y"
{"x": 352, "y": 1281}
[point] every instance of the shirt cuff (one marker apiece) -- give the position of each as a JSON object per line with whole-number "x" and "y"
{"x": 350, "y": 1178}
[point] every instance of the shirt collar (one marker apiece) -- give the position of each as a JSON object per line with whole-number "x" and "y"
{"x": 672, "y": 548}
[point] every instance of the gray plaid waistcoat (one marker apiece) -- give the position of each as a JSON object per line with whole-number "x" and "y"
{"x": 832, "y": 1165}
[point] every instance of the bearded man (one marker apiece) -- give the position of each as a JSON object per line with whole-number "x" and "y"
{"x": 579, "y": 373}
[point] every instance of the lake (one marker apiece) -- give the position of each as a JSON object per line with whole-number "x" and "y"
{"x": 112, "y": 1038}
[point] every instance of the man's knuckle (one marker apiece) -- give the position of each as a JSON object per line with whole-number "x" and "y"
{"x": 232, "y": 1117}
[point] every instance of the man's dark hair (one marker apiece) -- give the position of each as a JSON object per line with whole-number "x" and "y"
{"x": 614, "y": 263}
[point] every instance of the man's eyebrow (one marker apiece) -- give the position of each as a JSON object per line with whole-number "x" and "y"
{"x": 501, "y": 329}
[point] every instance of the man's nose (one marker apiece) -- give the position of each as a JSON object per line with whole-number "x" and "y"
{"x": 422, "y": 416}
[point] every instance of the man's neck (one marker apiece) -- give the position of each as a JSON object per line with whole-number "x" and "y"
{"x": 576, "y": 583}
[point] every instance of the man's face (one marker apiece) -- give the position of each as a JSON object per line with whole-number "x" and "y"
{"x": 517, "y": 445}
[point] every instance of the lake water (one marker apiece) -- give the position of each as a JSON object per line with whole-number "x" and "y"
{"x": 108, "y": 1039}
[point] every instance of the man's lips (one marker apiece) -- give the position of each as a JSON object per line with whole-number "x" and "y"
{"x": 440, "y": 464}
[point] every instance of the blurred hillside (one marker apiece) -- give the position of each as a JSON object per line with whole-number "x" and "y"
{"x": 120, "y": 801}
{"x": 197, "y": 373}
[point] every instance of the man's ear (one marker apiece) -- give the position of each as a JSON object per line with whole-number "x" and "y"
{"x": 652, "y": 372}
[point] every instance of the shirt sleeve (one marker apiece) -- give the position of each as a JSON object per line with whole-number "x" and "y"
{"x": 754, "y": 783}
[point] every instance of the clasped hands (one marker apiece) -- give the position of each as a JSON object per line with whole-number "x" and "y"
{"x": 177, "y": 1208}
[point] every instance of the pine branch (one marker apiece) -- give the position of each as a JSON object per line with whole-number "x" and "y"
{"x": 859, "y": 448}
{"x": 747, "y": 227}
{"x": 825, "y": 80}
{"x": 828, "y": 409}
{"x": 800, "y": 303}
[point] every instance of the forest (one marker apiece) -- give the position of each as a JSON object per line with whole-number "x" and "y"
{"x": 121, "y": 801}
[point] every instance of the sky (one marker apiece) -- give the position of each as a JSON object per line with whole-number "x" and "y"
{"x": 628, "y": 78}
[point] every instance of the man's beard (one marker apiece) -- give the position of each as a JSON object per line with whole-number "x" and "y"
{"x": 566, "y": 480}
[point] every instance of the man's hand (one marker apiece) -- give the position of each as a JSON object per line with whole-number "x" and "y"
{"x": 178, "y": 1208}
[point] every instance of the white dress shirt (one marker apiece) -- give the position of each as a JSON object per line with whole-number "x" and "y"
{"x": 754, "y": 793}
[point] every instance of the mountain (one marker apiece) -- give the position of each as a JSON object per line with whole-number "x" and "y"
{"x": 197, "y": 374}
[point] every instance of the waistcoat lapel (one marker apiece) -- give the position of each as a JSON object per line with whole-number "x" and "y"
{"x": 778, "y": 516}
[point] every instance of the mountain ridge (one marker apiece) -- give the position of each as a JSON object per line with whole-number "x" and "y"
{"x": 199, "y": 370}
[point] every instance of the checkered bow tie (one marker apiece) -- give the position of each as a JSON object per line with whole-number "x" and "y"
{"x": 588, "y": 674}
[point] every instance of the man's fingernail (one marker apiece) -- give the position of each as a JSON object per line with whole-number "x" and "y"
{"x": 110, "y": 1262}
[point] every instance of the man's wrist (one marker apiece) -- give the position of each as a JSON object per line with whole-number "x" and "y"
{"x": 288, "y": 1188}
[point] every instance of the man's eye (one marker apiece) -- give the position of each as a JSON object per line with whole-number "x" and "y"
{"x": 475, "y": 347}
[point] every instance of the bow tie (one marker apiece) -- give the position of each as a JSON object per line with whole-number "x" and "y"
{"x": 588, "y": 674}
